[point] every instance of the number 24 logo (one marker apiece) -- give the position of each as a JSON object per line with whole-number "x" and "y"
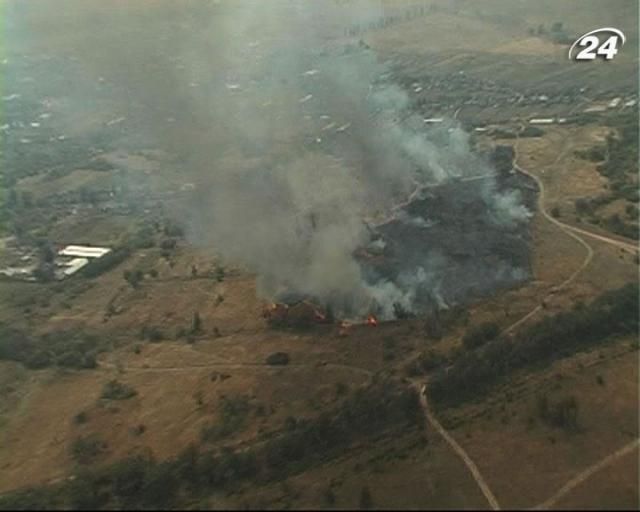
{"x": 594, "y": 48}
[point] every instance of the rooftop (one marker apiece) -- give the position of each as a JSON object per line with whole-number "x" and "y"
{"x": 83, "y": 251}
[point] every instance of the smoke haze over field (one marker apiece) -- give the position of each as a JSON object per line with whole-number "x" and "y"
{"x": 292, "y": 140}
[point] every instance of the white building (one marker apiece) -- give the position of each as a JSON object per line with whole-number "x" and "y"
{"x": 71, "y": 267}
{"x": 614, "y": 102}
{"x": 83, "y": 251}
{"x": 543, "y": 120}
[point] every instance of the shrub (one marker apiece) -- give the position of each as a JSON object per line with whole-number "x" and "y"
{"x": 168, "y": 244}
{"x": 151, "y": 333}
{"x": 85, "y": 450}
{"x": 278, "y": 359}
{"x": 81, "y": 418}
{"x": 114, "y": 390}
{"x": 562, "y": 414}
{"x": 38, "y": 360}
{"x": 196, "y": 323}
{"x": 234, "y": 412}
{"x": 74, "y": 359}
{"x": 133, "y": 277}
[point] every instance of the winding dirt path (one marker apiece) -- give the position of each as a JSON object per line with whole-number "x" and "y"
{"x": 627, "y": 246}
{"x": 473, "y": 469}
{"x": 580, "y": 478}
{"x": 566, "y": 228}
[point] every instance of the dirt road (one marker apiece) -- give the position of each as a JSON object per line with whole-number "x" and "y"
{"x": 475, "y": 472}
{"x": 587, "y": 473}
{"x": 567, "y": 229}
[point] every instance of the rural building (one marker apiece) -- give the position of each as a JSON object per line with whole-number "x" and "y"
{"x": 83, "y": 251}
{"x": 23, "y": 272}
{"x": 595, "y": 108}
{"x": 72, "y": 258}
{"x": 72, "y": 266}
{"x": 614, "y": 103}
{"x": 543, "y": 120}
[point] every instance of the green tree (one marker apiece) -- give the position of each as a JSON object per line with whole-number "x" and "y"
{"x": 115, "y": 390}
{"x": 86, "y": 449}
{"x": 196, "y": 323}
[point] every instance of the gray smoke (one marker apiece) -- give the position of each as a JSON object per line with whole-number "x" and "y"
{"x": 297, "y": 220}
{"x": 297, "y": 143}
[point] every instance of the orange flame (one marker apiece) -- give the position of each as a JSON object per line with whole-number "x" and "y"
{"x": 372, "y": 321}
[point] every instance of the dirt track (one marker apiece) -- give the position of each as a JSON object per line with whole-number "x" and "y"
{"x": 473, "y": 469}
{"x": 587, "y": 473}
{"x": 568, "y": 230}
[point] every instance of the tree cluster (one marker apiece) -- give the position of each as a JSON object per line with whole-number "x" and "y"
{"x": 612, "y": 314}
{"x": 68, "y": 349}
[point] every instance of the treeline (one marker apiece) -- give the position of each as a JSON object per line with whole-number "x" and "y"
{"x": 140, "y": 482}
{"x": 473, "y": 372}
{"x": 110, "y": 260}
{"x": 67, "y": 349}
{"x": 622, "y": 151}
{"x": 367, "y": 412}
{"x": 618, "y": 158}
{"x": 614, "y": 222}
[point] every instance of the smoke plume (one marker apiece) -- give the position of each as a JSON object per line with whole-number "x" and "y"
{"x": 300, "y": 143}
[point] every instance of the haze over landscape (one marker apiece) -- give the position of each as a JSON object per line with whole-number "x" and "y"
{"x": 295, "y": 254}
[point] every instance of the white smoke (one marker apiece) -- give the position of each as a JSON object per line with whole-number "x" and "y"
{"x": 508, "y": 207}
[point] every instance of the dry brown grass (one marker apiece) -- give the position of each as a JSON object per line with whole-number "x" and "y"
{"x": 613, "y": 488}
{"x": 505, "y": 432}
